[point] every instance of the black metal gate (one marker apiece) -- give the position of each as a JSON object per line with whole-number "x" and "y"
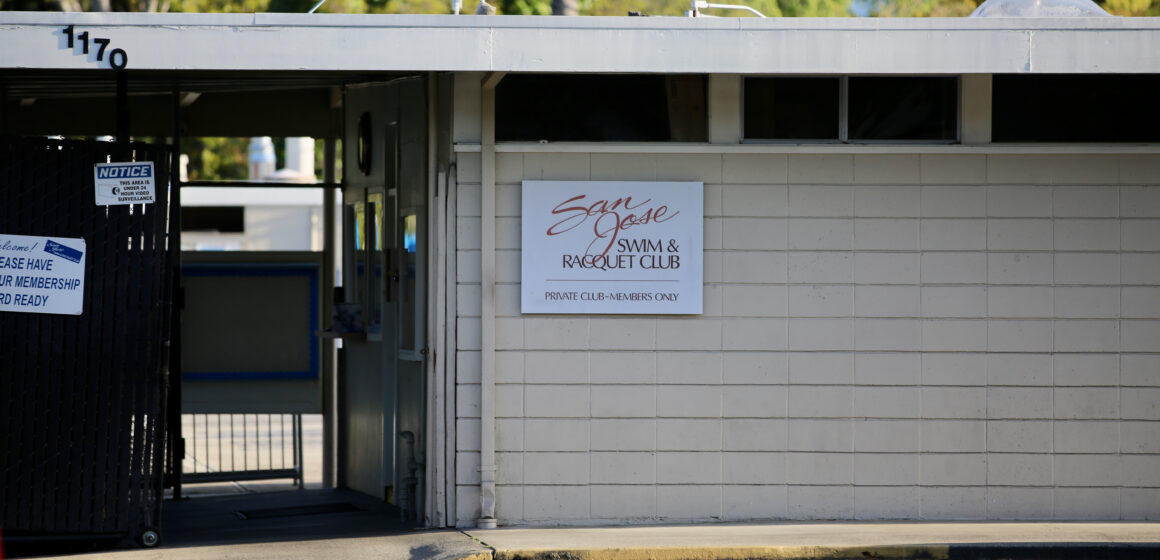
{"x": 82, "y": 398}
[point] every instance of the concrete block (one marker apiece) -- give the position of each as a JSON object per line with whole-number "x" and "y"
{"x": 1020, "y": 301}
{"x": 1140, "y": 371}
{"x": 622, "y": 334}
{"x": 681, "y": 434}
{"x": 887, "y": 334}
{"x": 753, "y": 401}
{"x": 830, "y": 169}
{"x": 622, "y": 167}
{"x": 755, "y": 334}
{"x": 1139, "y": 169}
{"x": 821, "y": 201}
{"x": 1019, "y": 369}
{"x": 753, "y": 468}
{"x": 954, "y": 369}
{"x": 466, "y": 505}
{"x": 467, "y": 231}
{"x": 549, "y": 434}
{"x": 555, "y": 334}
{"x": 468, "y": 300}
{"x": 1053, "y": 169}
{"x": 758, "y": 201}
{"x": 556, "y": 401}
{"x": 820, "y": 301}
{"x": 754, "y": 234}
{"x": 467, "y": 367}
{"x": 622, "y": 468}
{"x": 1020, "y": 268}
{"x": 1088, "y": 302}
{"x": 755, "y": 300}
{"x": 953, "y": 268}
{"x": 713, "y": 200}
{"x": 622, "y": 367}
{"x": 624, "y": 401}
{"x": 688, "y": 334}
{"x": 1140, "y": 504}
{"x": 1140, "y": 403}
{"x": 1018, "y": 469}
{"x": 887, "y": 369}
{"x": 954, "y": 301}
{"x": 887, "y": 402}
{"x": 1087, "y": 336}
{"x": 953, "y": 235}
{"x": 697, "y": 401}
{"x": 754, "y": 434}
{"x": 1139, "y": 437}
{"x": 886, "y": 268}
{"x": 754, "y": 267}
{"x": 1087, "y": 470}
{"x": 1086, "y": 202}
{"x": 706, "y": 168}
{"x": 688, "y": 467}
{"x": 1087, "y": 235}
{"x": 954, "y": 202}
{"x": 954, "y": 402}
{"x": 745, "y": 503}
{"x": 953, "y": 503}
{"x": 1020, "y": 335}
{"x": 886, "y": 436}
{"x": 1012, "y": 201}
{"x": 507, "y": 233}
{"x": 1088, "y": 268}
{"x": 821, "y": 368}
{"x": 881, "y": 201}
{"x": 467, "y": 265}
{"x": 686, "y": 503}
{"x": 821, "y": 334}
{"x": 1094, "y": 504}
{"x": 467, "y": 468}
{"x": 509, "y": 401}
{"x": 1139, "y": 302}
{"x": 886, "y": 502}
{"x": 1140, "y": 202}
{"x": 507, "y": 266}
{"x": 1086, "y": 369}
{"x": 467, "y": 434}
{"x": 556, "y": 367}
{"x": 509, "y": 333}
{"x": 945, "y": 335}
{"x": 886, "y": 469}
{"x": 1140, "y": 235}
{"x": 1087, "y": 403}
{"x": 468, "y": 336}
{"x": 509, "y": 434}
{"x": 754, "y": 368}
{"x": 820, "y": 502}
{"x": 755, "y": 168}
{"x": 872, "y": 169}
{"x": 819, "y": 468}
{"x": 714, "y": 234}
{"x": 509, "y": 505}
{"x": 872, "y": 234}
{"x": 820, "y": 268}
{"x": 689, "y": 367}
{"x": 953, "y": 169}
{"x": 509, "y": 167}
{"x": 1140, "y": 470}
{"x": 819, "y": 435}
{"x": 555, "y": 503}
{"x": 1018, "y": 403}
{"x": 807, "y": 401}
{"x": 806, "y": 234}
{"x": 507, "y": 300}
{"x": 1019, "y": 504}
{"x": 953, "y": 436}
{"x": 621, "y": 502}
{"x": 1019, "y": 235}
{"x": 468, "y": 192}
{"x": 624, "y": 434}
{"x": 1140, "y": 336}
{"x": 467, "y": 401}
{"x": 556, "y": 468}
{"x": 1087, "y": 437}
{"x": 954, "y": 469}
{"x": 1019, "y": 436}
{"x": 557, "y": 166}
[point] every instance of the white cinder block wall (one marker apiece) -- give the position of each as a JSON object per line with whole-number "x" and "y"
{"x": 884, "y": 336}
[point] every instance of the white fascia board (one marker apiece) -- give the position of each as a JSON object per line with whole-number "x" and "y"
{"x": 324, "y": 42}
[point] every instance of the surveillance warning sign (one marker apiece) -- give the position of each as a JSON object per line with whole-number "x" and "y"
{"x": 42, "y": 274}
{"x": 124, "y": 183}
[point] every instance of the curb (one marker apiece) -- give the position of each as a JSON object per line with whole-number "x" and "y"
{"x": 976, "y": 551}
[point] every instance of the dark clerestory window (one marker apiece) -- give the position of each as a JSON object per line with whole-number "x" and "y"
{"x": 222, "y": 219}
{"x": 1075, "y": 108}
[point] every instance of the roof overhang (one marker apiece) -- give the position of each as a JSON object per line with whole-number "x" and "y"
{"x": 422, "y": 43}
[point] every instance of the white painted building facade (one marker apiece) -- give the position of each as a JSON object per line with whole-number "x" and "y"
{"x": 890, "y": 330}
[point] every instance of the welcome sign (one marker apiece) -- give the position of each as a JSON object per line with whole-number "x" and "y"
{"x": 612, "y": 247}
{"x": 42, "y": 274}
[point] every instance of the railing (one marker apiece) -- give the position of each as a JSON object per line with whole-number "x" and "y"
{"x": 236, "y": 447}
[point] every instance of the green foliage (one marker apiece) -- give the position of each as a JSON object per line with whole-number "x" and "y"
{"x": 923, "y": 8}
{"x": 217, "y": 159}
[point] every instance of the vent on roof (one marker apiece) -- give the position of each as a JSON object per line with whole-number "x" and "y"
{"x": 1039, "y": 8}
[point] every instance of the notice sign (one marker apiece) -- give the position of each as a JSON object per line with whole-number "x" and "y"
{"x": 42, "y": 274}
{"x": 622, "y": 247}
{"x": 124, "y": 183}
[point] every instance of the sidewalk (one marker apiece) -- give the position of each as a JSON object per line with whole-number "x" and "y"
{"x": 828, "y": 540}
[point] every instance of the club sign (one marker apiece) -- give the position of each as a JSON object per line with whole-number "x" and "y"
{"x": 612, "y": 247}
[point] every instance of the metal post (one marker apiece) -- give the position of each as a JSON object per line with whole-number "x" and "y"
{"x": 329, "y": 420}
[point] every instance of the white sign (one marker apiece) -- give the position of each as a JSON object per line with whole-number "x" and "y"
{"x": 612, "y": 247}
{"x": 124, "y": 183}
{"x": 42, "y": 274}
